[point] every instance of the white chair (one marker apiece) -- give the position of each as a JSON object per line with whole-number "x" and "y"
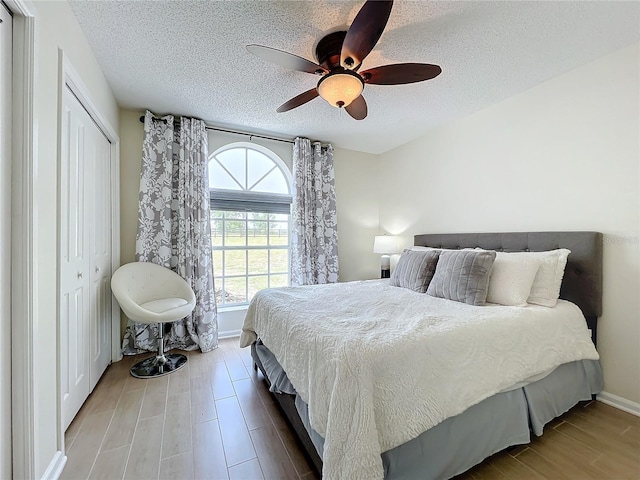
{"x": 149, "y": 293}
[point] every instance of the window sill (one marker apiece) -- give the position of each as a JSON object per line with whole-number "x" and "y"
{"x": 233, "y": 308}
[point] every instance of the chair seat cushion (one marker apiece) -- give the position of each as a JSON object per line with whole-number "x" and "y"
{"x": 164, "y": 304}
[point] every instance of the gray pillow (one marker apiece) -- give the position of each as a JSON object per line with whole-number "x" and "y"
{"x": 415, "y": 270}
{"x": 462, "y": 276}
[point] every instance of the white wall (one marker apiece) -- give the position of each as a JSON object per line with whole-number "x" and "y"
{"x": 131, "y": 137}
{"x": 56, "y": 28}
{"x": 357, "y": 192}
{"x": 562, "y": 156}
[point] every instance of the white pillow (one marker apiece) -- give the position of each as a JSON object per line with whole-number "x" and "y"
{"x": 511, "y": 278}
{"x": 546, "y": 286}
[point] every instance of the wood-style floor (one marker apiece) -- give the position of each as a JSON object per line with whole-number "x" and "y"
{"x": 215, "y": 419}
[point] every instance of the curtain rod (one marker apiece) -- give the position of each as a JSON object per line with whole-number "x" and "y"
{"x": 250, "y": 135}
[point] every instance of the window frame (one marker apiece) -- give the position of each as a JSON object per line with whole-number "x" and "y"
{"x": 253, "y": 203}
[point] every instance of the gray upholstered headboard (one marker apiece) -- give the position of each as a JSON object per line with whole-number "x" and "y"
{"x": 582, "y": 282}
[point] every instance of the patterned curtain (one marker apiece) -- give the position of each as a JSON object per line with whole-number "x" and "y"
{"x": 174, "y": 229}
{"x": 314, "y": 242}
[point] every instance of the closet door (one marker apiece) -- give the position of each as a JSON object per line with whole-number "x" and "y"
{"x": 100, "y": 272}
{"x": 85, "y": 255}
{"x": 74, "y": 260}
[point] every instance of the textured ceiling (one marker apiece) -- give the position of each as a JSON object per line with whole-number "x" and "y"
{"x": 189, "y": 58}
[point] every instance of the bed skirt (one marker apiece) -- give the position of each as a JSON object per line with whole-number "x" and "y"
{"x": 460, "y": 442}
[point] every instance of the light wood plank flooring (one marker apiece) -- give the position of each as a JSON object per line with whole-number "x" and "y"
{"x": 215, "y": 419}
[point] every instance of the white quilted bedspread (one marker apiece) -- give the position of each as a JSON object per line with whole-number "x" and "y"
{"x": 379, "y": 365}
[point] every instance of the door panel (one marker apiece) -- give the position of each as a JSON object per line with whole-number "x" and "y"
{"x": 75, "y": 378}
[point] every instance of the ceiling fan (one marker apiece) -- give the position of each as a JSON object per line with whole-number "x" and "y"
{"x": 339, "y": 55}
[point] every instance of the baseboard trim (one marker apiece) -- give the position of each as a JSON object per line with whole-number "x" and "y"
{"x": 619, "y": 403}
{"x": 54, "y": 470}
{"x": 229, "y": 333}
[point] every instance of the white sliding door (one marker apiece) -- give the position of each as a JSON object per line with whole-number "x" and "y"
{"x": 85, "y": 255}
{"x": 100, "y": 251}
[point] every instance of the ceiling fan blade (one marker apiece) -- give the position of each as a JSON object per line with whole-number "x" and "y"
{"x": 364, "y": 32}
{"x": 298, "y": 100}
{"x": 358, "y": 108}
{"x": 400, "y": 73}
{"x": 287, "y": 60}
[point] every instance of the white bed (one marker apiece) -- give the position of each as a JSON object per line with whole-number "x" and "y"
{"x": 379, "y": 366}
{"x": 360, "y": 364}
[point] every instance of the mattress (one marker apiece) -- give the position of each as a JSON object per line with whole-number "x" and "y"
{"x": 500, "y": 421}
{"x": 378, "y": 373}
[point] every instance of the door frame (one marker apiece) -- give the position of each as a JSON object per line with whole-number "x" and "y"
{"x": 23, "y": 244}
{"x": 69, "y": 77}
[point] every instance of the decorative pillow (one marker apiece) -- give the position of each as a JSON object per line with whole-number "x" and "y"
{"x": 546, "y": 285}
{"x": 511, "y": 278}
{"x": 415, "y": 270}
{"x": 462, "y": 276}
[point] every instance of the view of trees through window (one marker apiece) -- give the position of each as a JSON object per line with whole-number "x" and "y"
{"x": 250, "y": 249}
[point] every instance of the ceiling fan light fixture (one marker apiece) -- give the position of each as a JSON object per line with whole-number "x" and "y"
{"x": 340, "y": 88}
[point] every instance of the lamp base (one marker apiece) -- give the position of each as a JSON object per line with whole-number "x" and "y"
{"x": 385, "y": 266}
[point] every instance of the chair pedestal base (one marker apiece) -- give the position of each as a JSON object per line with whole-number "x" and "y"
{"x": 157, "y": 366}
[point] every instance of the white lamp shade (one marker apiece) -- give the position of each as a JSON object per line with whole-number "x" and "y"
{"x": 341, "y": 88}
{"x": 385, "y": 244}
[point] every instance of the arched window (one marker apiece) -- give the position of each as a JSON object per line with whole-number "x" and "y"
{"x": 250, "y": 203}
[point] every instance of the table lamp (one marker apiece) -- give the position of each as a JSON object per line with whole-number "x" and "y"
{"x": 386, "y": 245}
